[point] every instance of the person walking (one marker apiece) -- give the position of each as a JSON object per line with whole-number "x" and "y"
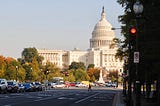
{"x": 89, "y": 87}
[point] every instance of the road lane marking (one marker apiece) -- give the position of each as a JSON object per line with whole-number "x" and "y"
{"x": 66, "y": 98}
{"x": 86, "y": 98}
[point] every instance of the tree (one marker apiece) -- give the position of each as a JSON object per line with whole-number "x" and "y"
{"x": 28, "y": 54}
{"x": 13, "y": 73}
{"x": 81, "y": 75}
{"x": 32, "y": 63}
{"x": 113, "y": 75}
{"x": 90, "y": 66}
{"x": 71, "y": 77}
{"x": 2, "y": 66}
{"x": 77, "y": 65}
{"x": 91, "y": 73}
{"x": 148, "y": 40}
{"x": 51, "y": 70}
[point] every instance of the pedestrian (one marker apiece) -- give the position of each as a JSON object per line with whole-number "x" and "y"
{"x": 89, "y": 87}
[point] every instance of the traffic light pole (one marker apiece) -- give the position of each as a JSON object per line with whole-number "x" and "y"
{"x": 137, "y": 82}
{"x": 138, "y": 9}
{"x": 129, "y": 99}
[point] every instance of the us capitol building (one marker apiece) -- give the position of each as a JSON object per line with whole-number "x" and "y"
{"x": 100, "y": 53}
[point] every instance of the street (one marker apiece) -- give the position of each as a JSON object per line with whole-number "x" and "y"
{"x": 60, "y": 97}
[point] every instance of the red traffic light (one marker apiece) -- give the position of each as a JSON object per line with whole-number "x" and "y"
{"x": 133, "y": 30}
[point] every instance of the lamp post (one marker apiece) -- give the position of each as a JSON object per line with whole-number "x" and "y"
{"x": 31, "y": 73}
{"x": 46, "y": 82}
{"x": 138, "y": 9}
{"x": 16, "y": 72}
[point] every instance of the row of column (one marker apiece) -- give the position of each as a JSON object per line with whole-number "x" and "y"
{"x": 98, "y": 43}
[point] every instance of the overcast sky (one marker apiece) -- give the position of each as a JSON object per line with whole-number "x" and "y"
{"x": 51, "y": 24}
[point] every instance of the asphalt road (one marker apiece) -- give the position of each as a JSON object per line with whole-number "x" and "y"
{"x": 60, "y": 97}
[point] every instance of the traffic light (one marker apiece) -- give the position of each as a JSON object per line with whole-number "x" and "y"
{"x": 133, "y": 34}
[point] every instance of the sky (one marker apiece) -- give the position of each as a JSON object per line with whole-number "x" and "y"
{"x": 52, "y": 24}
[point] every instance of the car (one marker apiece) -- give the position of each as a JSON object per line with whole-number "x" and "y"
{"x": 21, "y": 87}
{"x": 37, "y": 85}
{"x": 71, "y": 84}
{"x": 109, "y": 84}
{"x": 29, "y": 87}
{"x": 114, "y": 84}
{"x": 59, "y": 85}
{"x": 80, "y": 85}
{"x": 12, "y": 86}
{"x": 3, "y": 86}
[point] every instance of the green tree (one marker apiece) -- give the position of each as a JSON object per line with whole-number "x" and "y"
{"x": 50, "y": 71}
{"x": 28, "y": 69}
{"x": 90, "y": 66}
{"x": 28, "y": 54}
{"x": 32, "y": 63}
{"x": 77, "y": 65}
{"x": 14, "y": 70}
{"x": 71, "y": 77}
{"x": 81, "y": 75}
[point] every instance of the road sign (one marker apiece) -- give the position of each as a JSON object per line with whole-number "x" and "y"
{"x": 136, "y": 57}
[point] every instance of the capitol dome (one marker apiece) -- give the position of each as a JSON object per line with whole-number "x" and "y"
{"x": 102, "y": 34}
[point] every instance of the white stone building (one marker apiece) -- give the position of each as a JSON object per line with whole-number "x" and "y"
{"x": 100, "y": 53}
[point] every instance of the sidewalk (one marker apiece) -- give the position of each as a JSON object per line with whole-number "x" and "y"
{"x": 119, "y": 101}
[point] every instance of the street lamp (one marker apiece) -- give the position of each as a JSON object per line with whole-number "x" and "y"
{"x": 138, "y": 9}
{"x": 16, "y": 72}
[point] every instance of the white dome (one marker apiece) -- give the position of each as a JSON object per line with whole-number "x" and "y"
{"x": 102, "y": 34}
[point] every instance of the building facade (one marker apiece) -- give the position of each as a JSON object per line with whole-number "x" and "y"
{"x": 100, "y": 53}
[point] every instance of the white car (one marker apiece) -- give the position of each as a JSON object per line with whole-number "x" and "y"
{"x": 59, "y": 85}
{"x": 111, "y": 84}
{"x": 80, "y": 85}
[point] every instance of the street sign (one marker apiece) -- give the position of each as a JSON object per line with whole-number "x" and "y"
{"x": 136, "y": 57}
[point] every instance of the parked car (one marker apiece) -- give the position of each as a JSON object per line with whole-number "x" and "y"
{"x": 3, "y": 85}
{"x": 21, "y": 87}
{"x": 72, "y": 84}
{"x": 81, "y": 85}
{"x": 114, "y": 84}
{"x": 29, "y": 87}
{"x": 59, "y": 85}
{"x": 37, "y": 85}
{"x": 12, "y": 86}
{"x": 111, "y": 84}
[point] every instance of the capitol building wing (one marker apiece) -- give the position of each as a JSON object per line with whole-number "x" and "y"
{"x": 100, "y": 53}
